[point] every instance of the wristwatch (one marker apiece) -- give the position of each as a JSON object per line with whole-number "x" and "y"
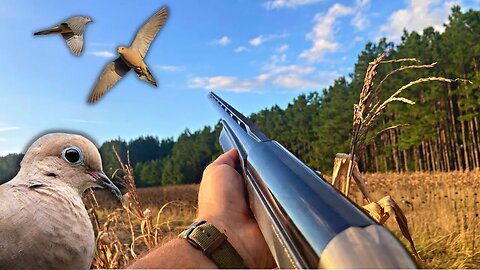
{"x": 213, "y": 244}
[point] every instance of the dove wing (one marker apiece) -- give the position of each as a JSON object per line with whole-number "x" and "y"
{"x": 112, "y": 73}
{"x": 149, "y": 30}
{"x": 76, "y": 24}
{"x": 74, "y": 42}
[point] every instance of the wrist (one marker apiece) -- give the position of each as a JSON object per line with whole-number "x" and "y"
{"x": 172, "y": 255}
{"x": 232, "y": 237}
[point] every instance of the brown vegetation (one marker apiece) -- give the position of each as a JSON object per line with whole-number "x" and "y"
{"x": 141, "y": 222}
{"x": 123, "y": 234}
{"x": 442, "y": 210}
{"x": 366, "y": 113}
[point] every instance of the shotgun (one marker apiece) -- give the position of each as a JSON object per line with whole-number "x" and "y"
{"x": 306, "y": 223}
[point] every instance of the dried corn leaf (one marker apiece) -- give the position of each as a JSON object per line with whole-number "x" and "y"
{"x": 389, "y": 206}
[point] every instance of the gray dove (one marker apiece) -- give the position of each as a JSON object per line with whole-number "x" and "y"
{"x": 43, "y": 221}
{"x": 72, "y": 31}
{"x": 131, "y": 58}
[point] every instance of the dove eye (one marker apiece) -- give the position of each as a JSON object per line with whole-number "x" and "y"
{"x": 73, "y": 155}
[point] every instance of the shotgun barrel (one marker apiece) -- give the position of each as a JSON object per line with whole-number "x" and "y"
{"x": 306, "y": 223}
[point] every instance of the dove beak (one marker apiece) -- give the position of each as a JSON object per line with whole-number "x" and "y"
{"x": 105, "y": 182}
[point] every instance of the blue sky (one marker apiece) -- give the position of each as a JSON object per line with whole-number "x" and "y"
{"x": 254, "y": 54}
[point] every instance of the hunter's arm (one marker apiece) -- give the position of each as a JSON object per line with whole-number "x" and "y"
{"x": 177, "y": 253}
{"x": 221, "y": 202}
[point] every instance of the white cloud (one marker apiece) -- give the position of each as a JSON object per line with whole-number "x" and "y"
{"x": 282, "y": 48}
{"x": 263, "y": 77}
{"x": 275, "y": 4}
{"x": 327, "y": 77}
{"x": 296, "y": 77}
{"x": 241, "y": 49}
{"x": 3, "y": 129}
{"x": 225, "y": 83}
{"x": 358, "y": 38}
{"x": 104, "y": 54}
{"x": 223, "y": 41}
{"x": 276, "y": 59}
{"x": 317, "y": 81}
{"x": 360, "y": 20}
{"x": 276, "y": 73}
{"x": 295, "y": 69}
{"x": 259, "y": 40}
{"x": 171, "y": 68}
{"x": 295, "y": 81}
{"x": 286, "y": 76}
{"x": 322, "y": 34}
{"x": 417, "y": 16}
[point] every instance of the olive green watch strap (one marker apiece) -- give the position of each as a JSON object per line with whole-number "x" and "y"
{"x": 213, "y": 244}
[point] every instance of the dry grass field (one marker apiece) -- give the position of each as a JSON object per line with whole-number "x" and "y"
{"x": 442, "y": 210}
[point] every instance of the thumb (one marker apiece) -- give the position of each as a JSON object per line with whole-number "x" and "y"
{"x": 229, "y": 158}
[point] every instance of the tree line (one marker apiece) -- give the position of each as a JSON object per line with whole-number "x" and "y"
{"x": 442, "y": 131}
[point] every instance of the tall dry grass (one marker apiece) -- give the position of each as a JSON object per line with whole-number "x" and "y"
{"x": 442, "y": 210}
{"x": 365, "y": 115}
{"x": 141, "y": 222}
{"x": 123, "y": 235}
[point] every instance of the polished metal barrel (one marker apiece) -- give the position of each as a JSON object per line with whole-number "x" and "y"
{"x": 304, "y": 220}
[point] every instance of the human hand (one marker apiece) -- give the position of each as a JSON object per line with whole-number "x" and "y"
{"x": 222, "y": 202}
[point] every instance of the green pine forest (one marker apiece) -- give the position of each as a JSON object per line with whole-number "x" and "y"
{"x": 442, "y": 131}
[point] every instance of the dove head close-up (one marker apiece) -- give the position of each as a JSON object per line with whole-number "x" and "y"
{"x": 87, "y": 20}
{"x": 121, "y": 49}
{"x": 68, "y": 159}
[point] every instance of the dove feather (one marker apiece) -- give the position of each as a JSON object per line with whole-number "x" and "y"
{"x": 149, "y": 30}
{"x": 112, "y": 73}
{"x": 76, "y": 24}
{"x": 74, "y": 42}
{"x": 41, "y": 216}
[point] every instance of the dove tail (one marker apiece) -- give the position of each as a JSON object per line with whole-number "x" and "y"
{"x": 145, "y": 75}
{"x": 48, "y": 31}
{"x": 150, "y": 78}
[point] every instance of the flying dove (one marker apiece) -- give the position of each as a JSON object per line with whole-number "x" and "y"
{"x": 131, "y": 58}
{"x": 72, "y": 31}
{"x": 43, "y": 221}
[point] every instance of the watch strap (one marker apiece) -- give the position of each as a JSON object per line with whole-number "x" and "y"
{"x": 213, "y": 244}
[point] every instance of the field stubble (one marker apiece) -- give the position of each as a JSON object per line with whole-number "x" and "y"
{"x": 441, "y": 208}
{"x": 442, "y": 212}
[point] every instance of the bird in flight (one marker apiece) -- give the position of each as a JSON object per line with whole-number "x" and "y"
{"x": 43, "y": 221}
{"x": 131, "y": 58}
{"x": 72, "y": 31}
